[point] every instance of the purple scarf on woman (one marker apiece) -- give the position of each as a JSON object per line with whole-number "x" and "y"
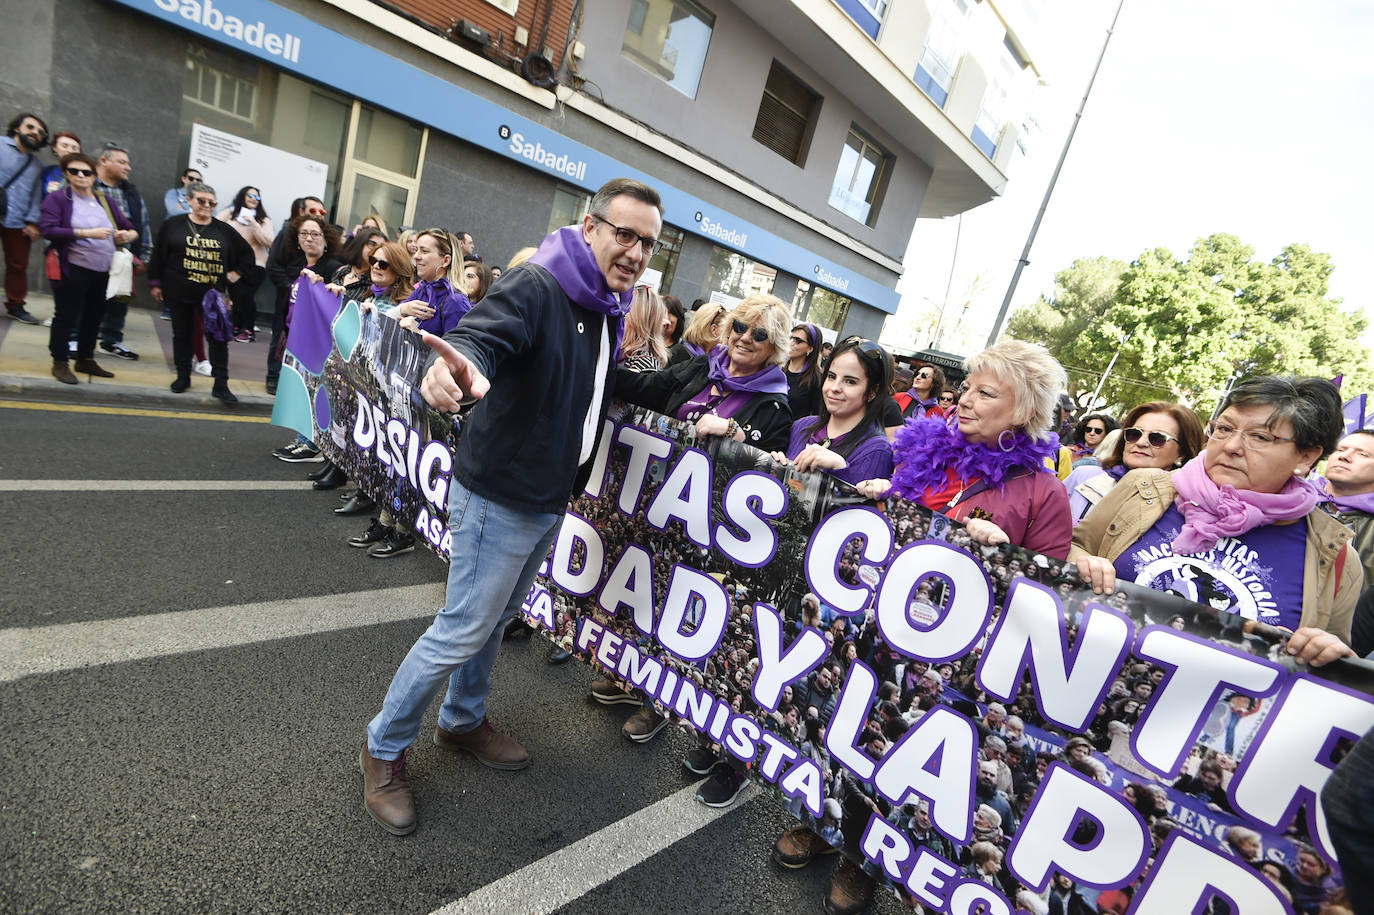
{"x": 449, "y": 305}
{"x": 566, "y": 255}
{"x": 767, "y": 380}
{"x": 1211, "y": 512}
{"x": 926, "y": 448}
{"x": 693, "y": 348}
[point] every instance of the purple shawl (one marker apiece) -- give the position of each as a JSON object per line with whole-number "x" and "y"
{"x": 926, "y": 448}
{"x": 1211, "y": 512}
{"x": 566, "y": 255}
{"x": 767, "y": 380}
{"x": 449, "y": 305}
{"x": 1359, "y": 502}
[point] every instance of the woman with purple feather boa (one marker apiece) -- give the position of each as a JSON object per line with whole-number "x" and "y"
{"x": 986, "y": 467}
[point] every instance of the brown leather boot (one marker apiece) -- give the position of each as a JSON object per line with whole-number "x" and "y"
{"x": 851, "y": 890}
{"x": 89, "y": 366}
{"x": 490, "y": 746}
{"x": 63, "y": 373}
{"x": 799, "y": 847}
{"x": 386, "y": 792}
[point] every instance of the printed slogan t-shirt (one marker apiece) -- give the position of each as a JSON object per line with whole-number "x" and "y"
{"x": 1258, "y": 574}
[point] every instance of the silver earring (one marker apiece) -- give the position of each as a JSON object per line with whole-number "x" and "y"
{"x": 1006, "y": 445}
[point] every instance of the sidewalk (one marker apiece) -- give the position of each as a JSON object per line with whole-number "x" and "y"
{"x": 26, "y": 366}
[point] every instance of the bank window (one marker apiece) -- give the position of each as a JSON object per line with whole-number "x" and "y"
{"x": 669, "y": 38}
{"x": 731, "y": 277}
{"x": 665, "y": 261}
{"x": 224, "y": 92}
{"x": 942, "y": 51}
{"x": 860, "y": 177}
{"x": 787, "y": 115}
{"x": 569, "y": 206}
{"x": 388, "y": 142}
{"x": 828, "y": 309}
{"x": 799, "y": 299}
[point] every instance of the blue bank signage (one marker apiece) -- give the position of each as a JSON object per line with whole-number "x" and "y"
{"x": 291, "y": 41}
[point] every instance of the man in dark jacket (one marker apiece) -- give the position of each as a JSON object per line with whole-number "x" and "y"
{"x": 112, "y": 179}
{"x": 536, "y": 355}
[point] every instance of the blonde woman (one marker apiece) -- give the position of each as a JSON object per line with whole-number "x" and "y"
{"x": 705, "y": 331}
{"x": 642, "y": 350}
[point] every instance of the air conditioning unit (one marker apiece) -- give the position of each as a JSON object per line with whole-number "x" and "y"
{"x": 466, "y": 32}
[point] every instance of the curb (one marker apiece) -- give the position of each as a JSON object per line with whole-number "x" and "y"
{"x": 126, "y": 395}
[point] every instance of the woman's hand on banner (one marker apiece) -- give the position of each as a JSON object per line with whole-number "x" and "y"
{"x": 452, "y": 380}
{"x": 1315, "y": 647}
{"x": 985, "y": 532}
{"x": 874, "y": 489}
{"x": 818, "y": 457}
{"x": 1097, "y": 572}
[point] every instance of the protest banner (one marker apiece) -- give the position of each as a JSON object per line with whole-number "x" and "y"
{"x": 971, "y": 723}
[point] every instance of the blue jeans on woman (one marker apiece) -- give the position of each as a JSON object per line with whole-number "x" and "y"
{"x": 495, "y": 554}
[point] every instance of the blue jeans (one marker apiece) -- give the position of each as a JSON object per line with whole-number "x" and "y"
{"x": 495, "y": 554}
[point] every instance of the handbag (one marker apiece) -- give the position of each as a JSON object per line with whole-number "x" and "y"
{"x": 120, "y": 286}
{"x": 5, "y": 191}
{"x": 215, "y": 307}
{"x": 52, "y": 266}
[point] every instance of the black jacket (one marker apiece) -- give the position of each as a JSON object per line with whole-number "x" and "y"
{"x": 521, "y": 441}
{"x": 765, "y": 418}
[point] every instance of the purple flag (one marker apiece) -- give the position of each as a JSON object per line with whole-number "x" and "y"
{"x": 311, "y": 315}
{"x": 1354, "y": 411}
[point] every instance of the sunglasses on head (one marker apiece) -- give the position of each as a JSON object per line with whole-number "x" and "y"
{"x": 1155, "y": 439}
{"x": 378, "y": 262}
{"x": 760, "y": 334}
{"x": 80, "y": 172}
{"x": 314, "y": 211}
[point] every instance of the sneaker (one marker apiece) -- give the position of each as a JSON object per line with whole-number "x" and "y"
{"x": 394, "y": 544}
{"x": 851, "y": 890}
{"x": 242, "y": 336}
{"x": 724, "y": 785}
{"x": 300, "y": 453}
{"x": 21, "y": 314}
{"x": 285, "y": 451}
{"x": 202, "y": 367}
{"x": 700, "y": 761}
{"x": 798, "y": 847}
{"x": 376, "y": 532}
{"x": 644, "y": 724}
{"x": 123, "y": 352}
{"x": 166, "y": 313}
{"x": 608, "y": 692}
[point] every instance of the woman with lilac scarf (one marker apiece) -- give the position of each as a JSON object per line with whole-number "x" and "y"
{"x": 1157, "y": 434}
{"x": 737, "y": 389}
{"x": 985, "y": 467}
{"x": 435, "y": 306}
{"x": 1238, "y": 527}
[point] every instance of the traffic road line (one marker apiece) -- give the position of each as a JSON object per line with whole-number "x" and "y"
{"x": 27, "y": 652}
{"x": 131, "y": 411}
{"x": 559, "y": 878}
{"x": 153, "y": 485}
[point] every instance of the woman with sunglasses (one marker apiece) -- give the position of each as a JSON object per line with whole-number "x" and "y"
{"x": 247, "y": 216}
{"x": 927, "y": 384}
{"x": 1088, "y": 435}
{"x": 82, "y": 230}
{"x": 846, "y": 437}
{"x": 355, "y": 276}
{"x": 987, "y": 469}
{"x": 705, "y": 331}
{"x": 803, "y": 370}
{"x": 1232, "y": 527}
{"x": 1159, "y": 435}
{"x": 737, "y": 390}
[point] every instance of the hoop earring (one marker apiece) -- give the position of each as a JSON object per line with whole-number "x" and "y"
{"x": 1004, "y": 445}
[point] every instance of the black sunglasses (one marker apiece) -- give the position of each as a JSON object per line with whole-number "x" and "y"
{"x": 378, "y": 262}
{"x": 80, "y": 172}
{"x": 1156, "y": 439}
{"x": 759, "y": 334}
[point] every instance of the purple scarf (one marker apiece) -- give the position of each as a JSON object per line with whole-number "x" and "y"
{"x": 767, "y": 380}
{"x": 926, "y": 448}
{"x": 379, "y": 292}
{"x": 449, "y": 305}
{"x": 566, "y": 255}
{"x": 1211, "y": 512}
{"x": 693, "y": 348}
{"x": 1359, "y": 502}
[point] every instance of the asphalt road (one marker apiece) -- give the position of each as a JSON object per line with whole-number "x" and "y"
{"x": 192, "y": 660}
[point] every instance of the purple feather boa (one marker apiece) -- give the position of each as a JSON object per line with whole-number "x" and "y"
{"x": 926, "y": 448}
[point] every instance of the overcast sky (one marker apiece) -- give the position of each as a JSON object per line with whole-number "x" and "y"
{"x": 1252, "y": 119}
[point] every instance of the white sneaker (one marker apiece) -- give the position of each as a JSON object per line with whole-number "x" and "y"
{"x": 202, "y": 368}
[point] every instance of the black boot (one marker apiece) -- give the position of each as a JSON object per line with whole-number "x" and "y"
{"x": 358, "y": 504}
{"x": 319, "y": 473}
{"x": 331, "y": 480}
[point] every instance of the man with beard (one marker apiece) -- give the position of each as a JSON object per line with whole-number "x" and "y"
{"x": 21, "y": 176}
{"x": 987, "y": 792}
{"x": 112, "y": 180}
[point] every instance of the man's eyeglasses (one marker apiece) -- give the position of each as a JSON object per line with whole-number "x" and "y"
{"x": 311, "y": 234}
{"x": 1251, "y": 439}
{"x": 80, "y": 172}
{"x": 760, "y": 334}
{"x": 1132, "y": 434}
{"x": 378, "y": 262}
{"x": 628, "y": 239}
{"x": 202, "y": 202}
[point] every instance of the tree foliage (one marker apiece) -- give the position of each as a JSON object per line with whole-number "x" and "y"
{"x": 1184, "y": 328}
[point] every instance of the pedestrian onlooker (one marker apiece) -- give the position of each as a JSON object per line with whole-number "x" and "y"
{"x": 64, "y": 143}
{"x": 248, "y": 217}
{"x": 477, "y": 278}
{"x": 20, "y": 175}
{"x": 674, "y": 325}
{"x": 545, "y": 338}
{"x": 112, "y": 180}
{"x": 465, "y": 246}
{"x": 83, "y": 229}
{"x": 195, "y": 252}
{"x": 176, "y": 200}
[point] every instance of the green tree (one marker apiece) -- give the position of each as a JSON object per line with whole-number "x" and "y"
{"x": 1184, "y": 328}
{"x": 1083, "y": 293}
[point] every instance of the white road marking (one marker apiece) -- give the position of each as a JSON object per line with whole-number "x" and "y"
{"x": 26, "y": 652}
{"x": 152, "y": 485}
{"x": 575, "y": 870}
